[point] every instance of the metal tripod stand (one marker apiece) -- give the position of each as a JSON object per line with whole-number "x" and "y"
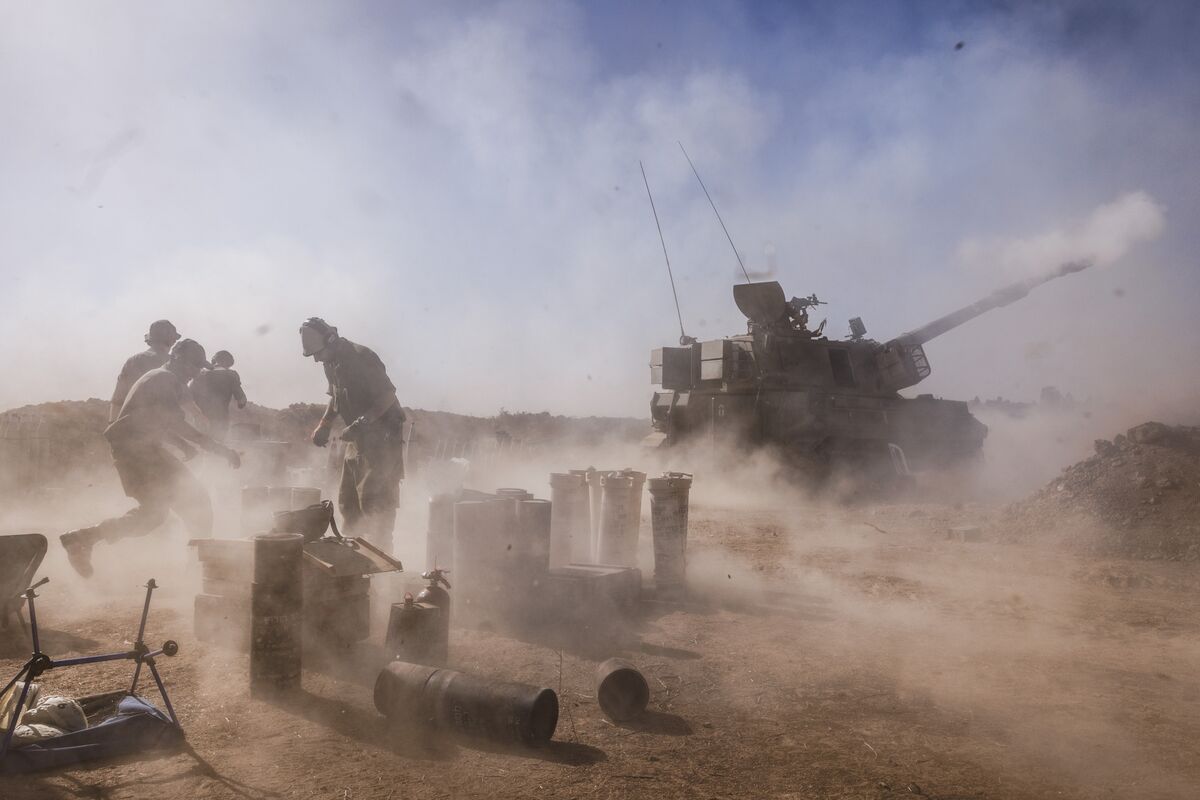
{"x": 39, "y": 662}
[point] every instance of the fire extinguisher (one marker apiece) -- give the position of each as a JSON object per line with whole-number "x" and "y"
{"x": 437, "y": 597}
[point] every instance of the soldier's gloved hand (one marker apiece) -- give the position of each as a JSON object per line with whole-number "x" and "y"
{"x": 354, "y": 430}
{"x": 320, "y": 435}
{"x": 234, "y": 458}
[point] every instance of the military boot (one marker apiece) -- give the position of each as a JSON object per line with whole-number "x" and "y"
{"x": 78, "y": 544}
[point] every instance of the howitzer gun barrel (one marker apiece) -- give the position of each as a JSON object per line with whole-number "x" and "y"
{"x": 998, "y": 298}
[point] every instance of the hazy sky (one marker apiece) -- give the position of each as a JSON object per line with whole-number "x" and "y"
{"x": 457, "y": 186}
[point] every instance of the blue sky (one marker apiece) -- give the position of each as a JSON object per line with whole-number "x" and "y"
{"x": 456, "y": 185}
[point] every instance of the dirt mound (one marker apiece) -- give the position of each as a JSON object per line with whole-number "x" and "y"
{"x": 1139, "y": 495}
{"x": 41, "y": 445}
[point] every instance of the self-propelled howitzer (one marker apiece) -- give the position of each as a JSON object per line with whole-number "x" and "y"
{"x": 825, "y": 401}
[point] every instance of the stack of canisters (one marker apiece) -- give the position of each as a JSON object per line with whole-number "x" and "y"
{"x": 335, "y": 577}
{"x": 517, "y": 558}
{"x": 595, "y": 527}
{"x": 597, "y": 516}
{"x": 594, "y": 542}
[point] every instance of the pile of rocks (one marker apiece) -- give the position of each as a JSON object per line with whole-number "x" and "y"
{"x": 1139, "y": 495}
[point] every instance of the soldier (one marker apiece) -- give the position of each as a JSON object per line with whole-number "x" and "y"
{"x": 212, "y": 390}
{"x": 161, "y": 336}
{"x": 151, "y": 416}
{"x": 361, "y": 393}
{"x": 797, "y": 314}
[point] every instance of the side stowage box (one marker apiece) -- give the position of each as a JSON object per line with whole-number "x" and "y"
{"x": 715, "y": 349}
{"x": 671, "y": 367}
{"x": 716, "y": 360}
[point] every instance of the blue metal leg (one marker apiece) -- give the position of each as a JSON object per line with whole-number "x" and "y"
{"x": 163, "y": 691}
{"x": 140, "y": 645}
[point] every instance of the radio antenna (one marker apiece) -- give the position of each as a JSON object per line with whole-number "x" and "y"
{"x": 714, "y": 208}
{"x": 682, "y": 336}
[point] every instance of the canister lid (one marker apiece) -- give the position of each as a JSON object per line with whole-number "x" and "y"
{"x": 671, "y": 481}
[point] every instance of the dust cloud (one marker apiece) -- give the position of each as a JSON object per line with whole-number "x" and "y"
{"x": 460, "y": 193}
{"x": 1004, "y": 645}
{"x": 865, "y": 599}
{"x": 1104, "y": 237}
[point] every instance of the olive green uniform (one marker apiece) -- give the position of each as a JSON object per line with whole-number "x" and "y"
{"x": 373, "y": 468}
{"x": 149, "y": 473}
{"x": 212, "y": 391}
{"x": 135, "y": 367}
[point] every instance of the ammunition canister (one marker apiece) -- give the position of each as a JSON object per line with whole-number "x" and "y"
{"x": 466, "y": 704}
{"x": 480, "y": 553}
{"x": 276, "y": 606}
{"x": 621, "y": 690}
{"x": 618, "y": 530}
{"x": 669, "y": 522}
{"x": 569, "y": 519}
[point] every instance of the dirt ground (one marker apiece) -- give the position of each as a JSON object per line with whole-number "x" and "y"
{"x": 823, "y": 653}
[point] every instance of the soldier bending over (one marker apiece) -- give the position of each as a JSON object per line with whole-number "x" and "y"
{"x": 361, "y": 393}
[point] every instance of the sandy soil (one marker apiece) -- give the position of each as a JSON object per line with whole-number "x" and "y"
{"x": 823, "y": 653}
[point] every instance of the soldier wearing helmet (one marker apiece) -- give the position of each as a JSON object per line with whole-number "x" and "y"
{"x": 361, "y": 393}
{"x": 151, "y": 417}
{"x": 214, "y": 388}
{"x": 160, "y": 337}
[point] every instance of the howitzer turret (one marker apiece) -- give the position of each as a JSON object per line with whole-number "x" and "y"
{"x": 785, "y": 385}
{"x": 902, "y": 362}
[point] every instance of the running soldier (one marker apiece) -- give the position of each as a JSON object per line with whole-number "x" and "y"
{"x": 161, "y": 336}
{"x": 151, "y": 417}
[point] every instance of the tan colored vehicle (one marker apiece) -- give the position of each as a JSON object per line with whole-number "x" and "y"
{"x": 821, "y": 401}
